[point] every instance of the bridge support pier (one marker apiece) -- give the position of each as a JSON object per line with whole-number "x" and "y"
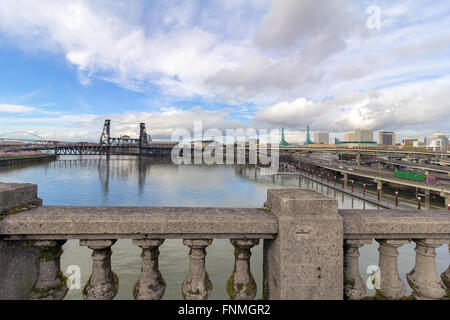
{"x": 358, "y": 158}
{"x": 427, "y": 199}
{"x": 446, "y": 196}
{"x": 345, "y": 180}
{"x": 379, "y": 186}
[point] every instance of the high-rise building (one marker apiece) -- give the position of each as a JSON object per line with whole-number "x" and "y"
{"x": 409, "y": 142}
{"x": 363, "y": 135}
{"x": 437, "y": 141}
{"x": 321, "y": 137}
{"x": 359, "y": 135}
{"x": 386, "y": 138}
{"x": 349, "y": 136}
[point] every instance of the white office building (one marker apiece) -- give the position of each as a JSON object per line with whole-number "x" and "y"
{"x": 437, "y": 141}
{"x": 322, "y": 137}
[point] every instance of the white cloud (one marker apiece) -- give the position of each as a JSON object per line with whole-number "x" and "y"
{"x": 403, "y": 107}
{"x": 282, "y": 57}
{"x": 12, "y": 108}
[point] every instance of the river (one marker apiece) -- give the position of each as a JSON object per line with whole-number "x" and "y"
{"x": 128, "y": 181}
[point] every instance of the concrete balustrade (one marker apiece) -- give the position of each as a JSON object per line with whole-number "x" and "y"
{"x": 51, "y": 283}
{"x": 354, "y": 287}
{"x": 103, "y": 283}
{"x": 242, "y": 285}
{"x": 311, "y": 249}
{"x": 197, "y": 286}
{"x": 391, "y": 285}
{"x": 151, "y": 284}
{"x": 423, "y": 278}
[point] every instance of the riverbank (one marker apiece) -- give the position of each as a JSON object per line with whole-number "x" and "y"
{"x": 13, "y": 160}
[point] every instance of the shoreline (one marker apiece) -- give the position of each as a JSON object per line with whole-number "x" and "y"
{"x": 25, "y": 159}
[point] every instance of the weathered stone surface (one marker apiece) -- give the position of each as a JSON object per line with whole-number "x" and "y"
{"x": 305, "y": 261}
{"x": 103, "y": 283}
{"x": 197, "y": 285}
{"x": 15, "y": 195}
{"x": 51, "y": 283}
{"x": 241, "y": 285}
{"x": 445, "y": 276}
{"x": 354, "y": 287}
{"x": 18, "y": 270}
{"x": 18, "y": 263}
{"x": 151, "y": 284}
{"x": 395, "y": 224}
{"x": 391, "y": 286}
{"x": 136, "y": 222}
{"x": 423, "y": 279}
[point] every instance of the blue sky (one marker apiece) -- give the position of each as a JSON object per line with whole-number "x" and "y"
{"x": 68, "y": 65}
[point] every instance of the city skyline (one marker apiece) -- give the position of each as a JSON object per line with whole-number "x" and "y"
{"x": 67, "y": 66}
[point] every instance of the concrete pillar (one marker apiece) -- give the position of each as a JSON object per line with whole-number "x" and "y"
{"x": 345, "y": 179}
{"x": 446, "y": 197}
{"x": 354, "y": 287}
{"x": 103, "y": 283}
{"x": 423, "y": 279}
{"x": 18, "y": 262}
{"x": 151, "y": 284}
{"x": 427, "y": 199}
{"x": 379, "y": 186}
{"x": 391, "y": 284}
{"x": 305, "y": 260}
{"x": 358, "y": 158}
{"x": 51, "y": 284}
{"x": 241, "y": 285}
{"x": 197, "y": 286}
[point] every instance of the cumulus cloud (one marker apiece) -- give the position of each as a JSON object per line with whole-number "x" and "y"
{"x": 88, "y": 127}
{"x": 396, "y": 108}
{"x": 12, "y": 108}
{"x": 282, "y": 59}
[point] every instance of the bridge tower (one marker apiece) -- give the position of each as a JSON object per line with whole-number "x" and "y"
{"x": 308, "y": 137}
{"x": 106, "y": 133}
{"x": 105, "y": 138}
{"x": 283, "y": 141}
{"x": 144, "y": 138}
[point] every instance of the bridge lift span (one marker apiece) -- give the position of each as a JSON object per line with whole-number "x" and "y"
{"x": 107, "y": 140}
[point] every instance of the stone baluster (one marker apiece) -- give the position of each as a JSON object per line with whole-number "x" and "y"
{"x": 391, "y": 286}
{"x": 445, "y": 276}
{"x": 103, "y": 283}
{"x": 354, "y": 288}
{"x": 151, "y": 284}
{"x": 51, "y": 283}
{"x": 241, "y": 285}
{"x": 197, "y": 286}
{"x": 423, "y": 279}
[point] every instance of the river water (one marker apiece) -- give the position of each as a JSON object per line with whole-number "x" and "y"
{"x": 128, "y": 181}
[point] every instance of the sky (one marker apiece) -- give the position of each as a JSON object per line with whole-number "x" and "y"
{"x": 66, "y": 66}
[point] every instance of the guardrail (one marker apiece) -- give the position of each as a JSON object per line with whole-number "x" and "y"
{"x": 310, "y": 247}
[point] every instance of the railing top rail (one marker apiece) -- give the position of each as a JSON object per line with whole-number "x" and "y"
{"x": 396, "y": 224}
{"x": 52, "y": 222}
